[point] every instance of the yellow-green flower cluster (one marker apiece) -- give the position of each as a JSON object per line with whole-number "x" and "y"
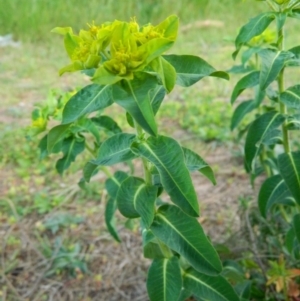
{"x": 267, "y": 37}
{"x": 118, "y": 49}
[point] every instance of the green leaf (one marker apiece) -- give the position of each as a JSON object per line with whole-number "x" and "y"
{"x": 280, "y": 20}
{"x": 291, "y": 97}
{"x": 271, "y": 64}
{"x": 190, "y": 69}
{"x": 293, "y": 122}
{"x": 164, "y": 280}
{"x": 273, "y": 191}
{"x": 89, "y": 170}
{"x": 152, "y": 248}
{"x": 156, "y": 97}
{"x": 185, "y": 235}
{"x": 43, "y": 147}
{"x": 247, "y": 54}
{"x": 69, "y": 42}
{"x": 56, "y": 134}
{"x": 241, "y": 111}
{"x": 133, "y": 96}
{"x": 296, "y": 225}
{"x": 290, "y": 239}
{"x": 289, "y": 168}
{"x": 71, "y": 147}
{"x": 295, "y": 61}
{"x": 165, "y": 71}
{"x": 195, "y": 163}
{"x": 254, "y": 27}
{"x": 113, "y": 184}
{"x": 106, "y": 123}
{"x": 167, "y": 156}
{"x": 248, "y": 81}
{"x": 256, "y": 134}
{"x": 110, "y": 210}
{"x": 136, "y": 199}
{"x": 89, "y": 99}
{"x": 209, "y": 288}
{"x": 184, "y": 295}
{"x": 115, "y": 149}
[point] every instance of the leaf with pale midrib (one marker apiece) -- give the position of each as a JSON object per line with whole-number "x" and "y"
{"x": 183, "y": 234}
{"x": 167, "y": 156}
{"x": 164, "y": 280}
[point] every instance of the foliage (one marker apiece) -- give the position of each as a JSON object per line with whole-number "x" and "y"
{"x": 128, "y": 66}
{"x": 268, "y": 145}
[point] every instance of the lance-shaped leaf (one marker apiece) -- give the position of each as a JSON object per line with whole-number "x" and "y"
{"x": 89, "y": 170}
{"x": 280, "y": 19}
{"x": 291, "y": 97}
{"x": 115, "y": 149}
{"x": 112, "y": 186}
{"x": 185, "y": 235}
{"x": 56, "y": 134}
{"x": 195, "y": 163}
{"x": 209, "y": 288}
{"x": 165, "y": 71}
{"x": 271, "y": 64}
{"x": 106, "y": 123}
{"x": 71, "y": 147}
{"x": 273, "y": 191}
{"x": 256, "y": 133}
{"x": 156, "y": 97}
{"x": 295, "y": 61}
{"x": 296, "y": 225}
{"x": 167, "y": 156}
{"x": 152, "y": 247}
{"x": 254, "y": 27}
{"x": 136, "y": 199}
{"x": 109, "y": 214}
{"x": 289, "y": 167}
{"x": 190, "y": 69}
{"x": 133, "y": 96}
{"x": 241, "y": 111}
{"x": 247, "y": 54}
{"x": 89, "y": 99}
{"x": 248, "y": 81}
{"x": 293, "y": 122}
{"x": 164, "y": 280}
{"x": 289, "y": 240}
{"x": 184, "y": 295}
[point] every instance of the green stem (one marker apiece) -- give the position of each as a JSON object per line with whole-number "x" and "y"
{"x": 147, "y": 173}
{"x": 282, "y": 107}
{"x": 103, "y": 168}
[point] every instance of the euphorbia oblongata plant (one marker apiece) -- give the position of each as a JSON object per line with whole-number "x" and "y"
{"x": 268, "y": 144}
{"x": 127, "y": 66}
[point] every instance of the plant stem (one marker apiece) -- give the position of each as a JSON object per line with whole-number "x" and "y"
{"x": 103, "y": 168}
{"x": 282, "y": 107}
{"x": 147, "y": 173}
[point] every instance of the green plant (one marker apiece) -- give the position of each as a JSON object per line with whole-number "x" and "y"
{"x": 268, "y": 145}
{"x": 65, "y": 257}
{"x": 128, "y": 67}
